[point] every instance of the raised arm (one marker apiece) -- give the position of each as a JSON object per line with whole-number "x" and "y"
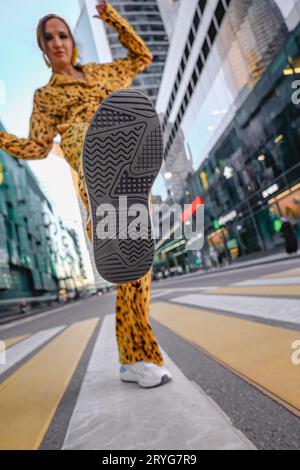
{"x": 139, "y": 56}
{"x": 41, "y": 134}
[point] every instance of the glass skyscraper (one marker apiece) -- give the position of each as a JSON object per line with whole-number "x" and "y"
{"x": 145, "y": 17}
{"x": 228, "y": 86}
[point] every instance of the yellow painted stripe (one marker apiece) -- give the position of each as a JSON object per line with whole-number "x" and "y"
{"x": 260, "y": 353}
{"x": 282, "y": 274}
{"x": 259, "y": 291}
{"x": 30, "y": 396}
{"x": 11, "y": 341}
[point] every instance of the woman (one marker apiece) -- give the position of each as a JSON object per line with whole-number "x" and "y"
{"x": 66, "y": 105}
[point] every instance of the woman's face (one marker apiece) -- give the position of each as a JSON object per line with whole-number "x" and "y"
{"x": 58, "y": 43}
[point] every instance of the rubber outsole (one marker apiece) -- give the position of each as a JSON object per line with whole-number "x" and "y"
{"x": 165, "y": 379}
{"x": 122, "y": 156}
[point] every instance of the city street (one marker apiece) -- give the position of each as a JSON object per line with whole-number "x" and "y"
{"x": 226, "y": 338}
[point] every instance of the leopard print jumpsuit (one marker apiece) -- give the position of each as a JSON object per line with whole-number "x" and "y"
{"x": 66, "y": 105}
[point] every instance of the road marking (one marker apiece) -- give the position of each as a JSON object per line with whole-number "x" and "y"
{"x": 30, "y": 396}
{"x": 38, "y": 316}
{"x": 163, "y": 292}
{"x": 278, "y": 281}
{"x": 18, "y": 352}
{"x": 286, "y": 310}
{"x": 110, "y": 414}
{"x": 16, "y": 339}
{"x": 265, "y": 291}
{"x": 290, "y": 273}
{"x": 262, "y": 354}
{"x": 192, "y": 289}
{"x": 158, "y": 293}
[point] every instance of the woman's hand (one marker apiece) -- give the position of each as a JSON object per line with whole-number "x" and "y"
{"x": 101, "y": 8}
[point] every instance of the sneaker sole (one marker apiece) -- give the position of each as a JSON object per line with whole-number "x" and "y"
{"x": 165, "y": 379}
{"x": 122, "y": 156}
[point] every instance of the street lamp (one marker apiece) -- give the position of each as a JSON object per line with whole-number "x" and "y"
{"x": 168, "y": 175}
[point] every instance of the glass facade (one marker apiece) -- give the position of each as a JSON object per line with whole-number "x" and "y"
{"x": 250, "y": 177}
{"x": 146, "y": 19}
{"x": 38, "y": 254}
{"x": 241, "y": 127}
{"x": 251, "y": 34}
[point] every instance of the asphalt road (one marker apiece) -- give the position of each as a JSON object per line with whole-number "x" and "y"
{"x": 265, "y": 413}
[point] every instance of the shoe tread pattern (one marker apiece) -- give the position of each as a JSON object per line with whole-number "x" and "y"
{"x": 122, "y": 156}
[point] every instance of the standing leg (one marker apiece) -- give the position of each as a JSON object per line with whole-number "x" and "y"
{"x": 135, "y": 338}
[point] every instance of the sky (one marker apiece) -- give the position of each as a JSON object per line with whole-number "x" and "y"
{"x": 22, "y": 70}
{"x": 22, "y": 66}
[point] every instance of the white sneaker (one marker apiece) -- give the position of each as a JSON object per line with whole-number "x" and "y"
{"x": 146, "y": 374}
{"x": 162, "y": 368}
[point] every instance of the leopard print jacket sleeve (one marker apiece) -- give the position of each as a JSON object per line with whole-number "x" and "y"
{"x": 44, "y": 121}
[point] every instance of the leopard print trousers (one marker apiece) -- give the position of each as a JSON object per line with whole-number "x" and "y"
{"x": 135, "y": 338}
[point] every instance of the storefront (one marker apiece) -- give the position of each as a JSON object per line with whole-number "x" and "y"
{"x": 251, "y": 177}
{"x": 287, "y": 204}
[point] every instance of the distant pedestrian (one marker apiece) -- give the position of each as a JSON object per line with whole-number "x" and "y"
{"x": 213, "y": 256}
{"x": 289, "y": 234}
{"x": 221, "y": 256}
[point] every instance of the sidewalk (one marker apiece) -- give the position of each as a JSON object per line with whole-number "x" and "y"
{"x": 110, "y": 414}
{"x": 255, "y": 262}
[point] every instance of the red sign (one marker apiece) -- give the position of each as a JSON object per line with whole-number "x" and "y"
{"x": 192, "y": 209}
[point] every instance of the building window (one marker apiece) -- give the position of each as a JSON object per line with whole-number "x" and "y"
{"x": 205, "y": 49}
{"x": 186, "y": 52}
{"x": 212, "y": 32}
{"x": 199, "y": 65}
{"x": 219, "y": 13}
{"x": 196, "y": 20}
{"x": 182, "y": 64}
{"x": 194, "y": 77}
{"x": 202, "y": 5}
{"x": 191, "y": 37}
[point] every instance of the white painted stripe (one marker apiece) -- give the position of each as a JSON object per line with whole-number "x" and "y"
{"x": 160, "y": 293}
{"x": 287, "y": 310}
{"x": 37, "y": 316}
{"x": 104, "y": 344}
{"x": 276, "y": 281}
{"x": 194, "y": 289}
{"x": 110, "y": 414}
{"x": 291, "y": 270}
{"x": 163, "y": 292}
{"x": 20, "y": 350}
